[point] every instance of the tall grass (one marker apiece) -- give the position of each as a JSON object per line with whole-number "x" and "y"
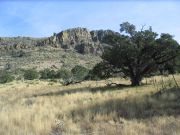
{"x": 90, "y": 108}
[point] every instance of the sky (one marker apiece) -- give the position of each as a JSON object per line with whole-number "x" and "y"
{"x": 41, "y": 18}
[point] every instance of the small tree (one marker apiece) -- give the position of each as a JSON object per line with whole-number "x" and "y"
{"x": 47, "y": 74}
{"x": 100, "y": 71}
{"x": 30, "y": 74}
{"x": 79, "y": 73}
{"x": 63, "y": 74}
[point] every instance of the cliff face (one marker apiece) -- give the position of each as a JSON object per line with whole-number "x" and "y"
{"x": 80, "y": 39}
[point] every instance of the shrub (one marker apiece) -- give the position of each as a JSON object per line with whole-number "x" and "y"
{"x": 100, "y": 71}
{"x": 30, "y": 74}
{"x": 19, "y": 53}
{"x": 79, "y": 73}
{"x": 47, "y": 74}
{"x": 6, "y": 77}
{"x": 63, "y": 74}
{"x": 67, "y": 81}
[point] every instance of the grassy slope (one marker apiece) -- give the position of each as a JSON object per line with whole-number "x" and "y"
{"x": 47, "y": 57}
{"x": 47, "y": 108}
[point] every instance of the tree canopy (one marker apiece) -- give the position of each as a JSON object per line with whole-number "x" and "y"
{"x": 139, "y": 53}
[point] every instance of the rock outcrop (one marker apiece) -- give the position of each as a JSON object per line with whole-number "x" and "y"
{"x": 80, "y": 39}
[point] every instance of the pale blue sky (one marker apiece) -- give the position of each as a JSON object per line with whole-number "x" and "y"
{"x": 38, "y": 19}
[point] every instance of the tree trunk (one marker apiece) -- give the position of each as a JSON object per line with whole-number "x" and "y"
{"x": 135, "y": 81}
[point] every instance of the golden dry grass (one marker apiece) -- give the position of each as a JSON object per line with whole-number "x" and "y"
{"x": 47, "y": 108}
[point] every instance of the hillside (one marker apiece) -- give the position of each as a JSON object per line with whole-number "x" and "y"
{"x": 67, "y": 48}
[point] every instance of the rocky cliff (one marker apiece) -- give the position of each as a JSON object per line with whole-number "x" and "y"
{"x": 80, "y": 39}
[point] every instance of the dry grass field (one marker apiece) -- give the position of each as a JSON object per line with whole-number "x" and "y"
{"x": 90, "y": 108}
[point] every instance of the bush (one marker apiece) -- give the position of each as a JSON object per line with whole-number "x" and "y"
{"x": 6, "y": 77}
{"x": 63, "y": 74}
{"x": 100, "y": 71}
{"x": 67, "y": 81}
{"x": 79, "y": 73}
{"x": 19, "y": 53}
{"x": 30, "y": 74}
{"x": 47, "y": 74}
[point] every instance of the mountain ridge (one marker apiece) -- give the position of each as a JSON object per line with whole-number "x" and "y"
{"x": 80, "y": 39}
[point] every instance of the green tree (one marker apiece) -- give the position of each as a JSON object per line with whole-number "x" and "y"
{"x": 170, "y": 66}
{"x": 101, "y": 70}
{"x": 79, "y": 73}
{"x": 139, "y": 53}
{"x": 47, "y": 74}
{"x": 30, "y": 74}
{"x": 177, "y": 68}
{"x": 63, "y": 74}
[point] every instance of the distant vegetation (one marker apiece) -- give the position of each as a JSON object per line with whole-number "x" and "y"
{"x": 19, "y": 53}
{"x": 79, "y": 73}
{"x": 6, "y": 77}
{"x": 47, "y": 74}
{"x": 65, "y": 76}
{"x": 30, "y": 74}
